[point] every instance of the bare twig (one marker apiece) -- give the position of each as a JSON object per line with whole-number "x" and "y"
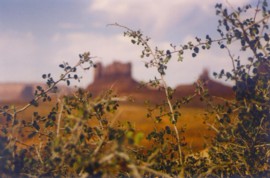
{"x": 39, "y": 156}
{"x": 59, "y": 118}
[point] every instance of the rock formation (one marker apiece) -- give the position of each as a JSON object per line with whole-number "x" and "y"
{"x": 24, "y": 92}
{"x": 204, "y": 76}
{"x": 27, "y": 94}
{"x": 214, "y": 89}
{"x": 116, "y": 76}
{"x": 113, "y": 72}
{"x": 11, "y": 91}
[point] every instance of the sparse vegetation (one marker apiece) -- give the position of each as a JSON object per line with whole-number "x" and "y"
{"x": 81, "y": 136}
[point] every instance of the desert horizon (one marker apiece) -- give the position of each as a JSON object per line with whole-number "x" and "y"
{"x": 106, "y": 77}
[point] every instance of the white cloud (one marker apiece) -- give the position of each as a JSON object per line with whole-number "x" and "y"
{"x": 157, "y": 16}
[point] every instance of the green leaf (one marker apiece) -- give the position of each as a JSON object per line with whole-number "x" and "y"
{"x": 180, "y": 58}
{"x": 138, "y": 138}
{"x": 266, "y": 37}
{"x": 129, "y": 134}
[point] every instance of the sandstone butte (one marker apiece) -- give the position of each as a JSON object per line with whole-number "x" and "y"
{"x": 118, "y": 77}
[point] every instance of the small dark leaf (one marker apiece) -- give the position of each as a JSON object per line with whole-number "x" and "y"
{"x": 61, "y": 65}
{"x": 34, "y": 103}
{"x": 168, "y": 130}
{"x": 228, "y": 75}
{"x": 49, "y": 123}
{"x": 168, "y": 53}
{"x": 9, "y": 117}
{"x": 67, "y": 68}
{"x": 146, "y": 65}
{"x": 35, "y": 114}
{"x": 196, "y": 49}
{"x": 161, "y": 69}
{"x": 35, "y": 125}
{"x": 266, "y": 37}
{"x": 44, "y": 76}
{"x": 4, "y": 130}
{"x": 74, "y": 69}
{"x": 243, "y": 42}
{"x": 222, "y": 46}
{"x": 255, "y": 70}
{"x": 31, "y": 135}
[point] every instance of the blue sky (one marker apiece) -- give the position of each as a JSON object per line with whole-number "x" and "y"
{"x": 37, "y": 35}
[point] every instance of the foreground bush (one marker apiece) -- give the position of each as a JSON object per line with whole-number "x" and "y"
{"x": 80, "y": 138}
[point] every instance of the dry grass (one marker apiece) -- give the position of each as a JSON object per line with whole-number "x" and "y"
{"x": 191, "y": 119}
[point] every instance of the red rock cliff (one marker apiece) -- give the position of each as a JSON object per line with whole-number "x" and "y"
{"x": 116, "y": 76}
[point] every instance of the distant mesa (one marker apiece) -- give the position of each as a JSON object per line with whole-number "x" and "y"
{"x": 14, "y": 92}
{"x": 113, "y": 72}
{"x": 27, "y": 93}
{"x": 24, "y": 92}
{"x": 214, "y": 88}
{"x": 116, "y": 76}
{"x": 204, "y": 76}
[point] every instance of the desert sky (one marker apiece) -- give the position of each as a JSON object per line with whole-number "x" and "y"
{"x": 36, "y": 36}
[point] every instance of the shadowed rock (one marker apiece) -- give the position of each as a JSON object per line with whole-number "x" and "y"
{"x": 27, "y": 94}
